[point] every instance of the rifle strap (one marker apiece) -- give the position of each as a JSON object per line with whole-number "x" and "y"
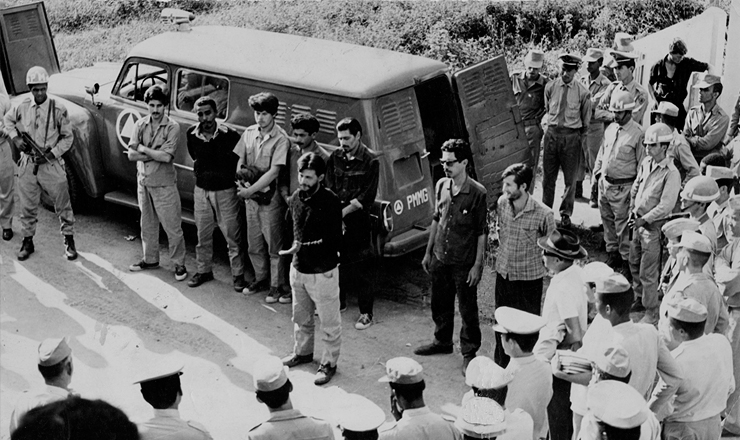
{"x": 49, "y": 114}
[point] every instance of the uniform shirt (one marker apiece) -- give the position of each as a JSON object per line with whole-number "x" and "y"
{"x": 704, "y": 130}
{"x": 164, "y": 138}
{"x": 703, "y": 289}
{"x": 649, "y": 430}
{"x": 291, "y": 424}
{"x": 4, "y": 107}
{"x": 263, "y": 150}
{"x": 214, "y": 161}
{"x": 566, "y": 298}
{"x": 530, "y": 390}
{"x": 638, "y": 92}
{"x": 655, "y": 190}
{"x": 420, "y": 424}
{"x": 519, "y": 257}
{"x": 621, "y": 152}
{"x": 720, "y": 217}
{"x": 33, "y": 399}
{"x": 354, "y": 177}
{"x": 708, "y": 378}
{"x": 680, "y": 151}
{"x": 596, "y": 340}
{"x": 289, "y": 174}
{"x": 707, "y": 229}
{"x": 530, "y": 95}
{"x": 733, "y": 131}
{"x": 596, "y": 87}
{"x": 727, "y": 269}
{"x": 167, "y": 425}
{"x": 577, "y": 113}
{"x": 32, "y": 119}
{"x": 316, "y": 221}
{"x": 461, "y": 218}
{"x": 674, "y": 89}
{"x": 519, "y": 425}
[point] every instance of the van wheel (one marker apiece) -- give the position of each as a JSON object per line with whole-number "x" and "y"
{"x": 77, "y": 195}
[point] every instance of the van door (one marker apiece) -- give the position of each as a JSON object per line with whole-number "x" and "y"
{"x": 492, "y": 118}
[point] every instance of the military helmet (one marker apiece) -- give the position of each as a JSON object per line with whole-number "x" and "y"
{"x": 701, "y": 189}
{"x": 37, "y": 75}
{"x": 621, "y": 101}
{"x": 658, "y": 133}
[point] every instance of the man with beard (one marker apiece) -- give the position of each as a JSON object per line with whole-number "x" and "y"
{"x": 519, "y": 270}
{"x": 706, "y": 123}
{"x": 529, "y": 91}
{"x": 454, "y": 253}
{"x": 305, "y": 128}
{"x": 316, "y": 217}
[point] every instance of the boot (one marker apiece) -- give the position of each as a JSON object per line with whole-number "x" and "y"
{"x": 626, "y": 270}
{"x": 579, "y": 189}
{"x": 69, "y": 247}
{"x": 26, "y": 249}
{"x": 594, "y": 201}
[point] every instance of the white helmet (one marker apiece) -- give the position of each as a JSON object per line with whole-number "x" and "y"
{"x": 37, "y": 75}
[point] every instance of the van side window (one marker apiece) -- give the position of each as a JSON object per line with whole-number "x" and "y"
{"x": 327, "y": 118}
{"x": 192, "y": 85}
{"x": 139, "y": 77}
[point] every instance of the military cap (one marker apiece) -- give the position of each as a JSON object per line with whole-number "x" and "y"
{"x": 696, "y": 241}
{"x": 700, "y": 189}
{"x": 534, "y": 58}
{"x": 687, "y": 310}
{"x": 359, "y": 414}
{"x": 596, "y": 270}
{"x": 54, "y": 350}
{"x": 269, "y": 373}
{"x": 718, "y": 173}
{"x": 734, "y": 203}
{"x": 617, "y": 404}
{"x": 481, "y": 417}
{"x": 485, "y": 374}
{"x": 570, "y": 60}
{"x": 623, "y": 42}
{"x": 614, "y": 360}
{"x": 709, "y": 80}
{"x": 614, "y": 283}
{"x": 159, "y": 370}
{"x": 511, "y": 320}
{"x": 666, "y": 108}
{"x": 676, "y": 227}
{"x": 402, "y": 370}
{"x": 593, "y": 54}
{"x": 621, "y": 57}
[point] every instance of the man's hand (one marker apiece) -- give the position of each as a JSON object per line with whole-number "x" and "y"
{"x": 244, "y": 190}
{"x": 426, "y": 263}
{"x": 20, "y": 145}
{"x": 293, "y": 250}
{"x": 475, "y": 274}
{"x": 637, "y": 223}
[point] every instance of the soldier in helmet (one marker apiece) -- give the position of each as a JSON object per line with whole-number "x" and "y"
{"x": 615, "y": 169}
{"x": 696, "y": 197}
{"x": 623, "y": 64}
{"x": 653, "y": 196}
{"x": 44, "y": 121}
{"x": 679, "y": 150}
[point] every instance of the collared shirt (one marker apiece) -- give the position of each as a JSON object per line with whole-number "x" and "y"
{"x": 31, "y": 399}
{"x": 291, "y": 424}
{"x": 680, "y": 151}
{"x": 566, "y": 298}
{"x": 163, "y": 137}
{"x": 720, "y": 217}
{"x": 289, "y": 174}
{"x": 317, "y": 225}
{"x": 421, "y": 424}
{"x": 577, "y": 113}
{"x": 638, "y": 92}
{"x": 702, "y": 288}
{"x": 727, "y": 272}
{"x": 519, "y": 257}
{"x": 530, "y": 390}
{"x": 167, "y": 425}
{"x": 707, "y": 229}
{"x": 704, "y": 130}
{"x": 621, "y": 152}
{"x": 656, "y": 189}
{"x": 214, "y": 161}
{"x": 32, "y": 118}
{"x": 461, "y": 218}
{"x": 530, "y": 95}
{"x": 596, "y": 87}
{"x": 673, "y": 89}
{"x": 354, "y": 177}
{"x": 733, "y": 131}
{"x": 263, "y": 150}
{"x": 707, "y": 384}
{"x": 597, "y": 338}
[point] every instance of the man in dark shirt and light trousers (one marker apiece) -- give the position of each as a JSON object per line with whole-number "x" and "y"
{"x": 454, "y": 254}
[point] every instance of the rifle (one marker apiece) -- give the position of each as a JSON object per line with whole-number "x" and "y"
{"x": 36, "y": 151}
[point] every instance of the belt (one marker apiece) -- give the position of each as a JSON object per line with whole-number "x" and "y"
{"x": 530, "y": 122}
{"x": 619, "y": 181}
{"x": 563, "y": 130}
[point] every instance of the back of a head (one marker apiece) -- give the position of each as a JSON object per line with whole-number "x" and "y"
{"x": 76, "y": 418}
{"x": 161, "y": 393}
{"x": 411, "y": 392}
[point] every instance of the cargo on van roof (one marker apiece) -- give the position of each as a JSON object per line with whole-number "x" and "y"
{"x": 307, "y": 63}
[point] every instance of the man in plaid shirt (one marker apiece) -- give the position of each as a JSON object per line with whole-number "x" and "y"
{"x": 521, "y": 221}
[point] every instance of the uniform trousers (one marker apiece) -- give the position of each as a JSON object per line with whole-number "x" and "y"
{"x": 732, "y": 420}
{"x": 645, "y": 256}
{"x": 520, "y": 294}
{"x": 562, "y": 150}
{"x": 707, "y": 429}
{"x": 594, "y": 137}
{"x": 7, "y": 185}
{"x": 265, "y": 240}
{"x": 559, "y": 414}
{"x": 316, "y": 292}
{"x": 534, "y": 139}
{"x": 218, "y": 208}
{"x": 449, "y": 281}
{"x": 614, "y": 206}
{"x": 52, "y": 178}
{"x": 161, "y": 204}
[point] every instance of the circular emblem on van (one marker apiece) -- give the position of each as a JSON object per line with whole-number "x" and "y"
{"x": 398, "y": 207}
{"x": 125, "y": 125}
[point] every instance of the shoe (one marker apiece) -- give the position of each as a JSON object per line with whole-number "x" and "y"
{"x": 433, "y": 348}
{"x": 614, "y": 260}
{"x": 142, "y": 265}
{"x": 69, "y": 247}
{"x": 7, "y": 234}
{"x": 325, "y": 373}
{"x": 180, "y": 272}
{"x": 273, "y": 296}
{"x": 594, "y": 201}
{"x": 239, "y": 283}
{"x": 26, "y": 249}
{"x": 286, "y": 298}
{"x": 257, "y": 287}
{"x": 596, "y": 228}
{"x": 364, "y": 321}
{"x": 579, "y": 189}
{"x": 565, "y": 221}
{"x": 297, "y": 359}
{"x": 466, "y": 362}
{"x": 200, "y": 278}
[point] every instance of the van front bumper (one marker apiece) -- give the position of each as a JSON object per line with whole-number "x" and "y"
{"x": 406, "y": 242}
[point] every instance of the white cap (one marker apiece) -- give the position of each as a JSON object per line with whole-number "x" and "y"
{"x": 159, "y": 369}
{"x": 511, "y": 320}
{"x": 402, "y": 370}
{"x": 614, "y": 360}
{"x": 269, "y": 373}
{"x": 359, "y": 414}
{"x": 696, "y": 241}
{"x": 481, "y": 417}
{"x": 596, "y": 270}
{"x": 614, "y": 283}
{"x": 485, "y": 374}
{"x": 54, "y": 350}
{"x": 617, "y": 404}
{"x": 676, "y": 227}
{"x": 687, "y": 310}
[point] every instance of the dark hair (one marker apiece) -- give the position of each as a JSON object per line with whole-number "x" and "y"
{"x": 522, "y": 174}
{"x": 678, "y": 46}
{"x": 526, "y": 342}
{"x": 276, "y": 398}
{"x": 619, "y": 302}
{"x": 205, "y": 100}
{"x": 459, "y": 147}
{"x": 54, "y": 371}
{"x": 312, "y": 161}
{"x": 603, "y": 375}
{"x": 717, "y": 88}
{"x": 351, "y": 124}
{"x": 693, "y": 329}
{"x": 715, "y": 159}
{"x": 409, "y": 391}
{"x": 161, "y": 393}
{"x": 156, "y": 93}
{"x": 76, "y": 418}
{"x": 698, "y": 259}
{"x": 669, "y": 120}
{"x": 613, "y": 433}
{"x": 626, "y": 63}
{"x": 364, "y": 435}
{"x": 729, "y": 183}
{"x": 498, "y": 395}
{"x": 264, "y": 102}
{"x": 305, "y": 121}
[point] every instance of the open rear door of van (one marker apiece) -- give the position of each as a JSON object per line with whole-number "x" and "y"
{"x": 25, "y": 41}
{"x": 492, "y": 118}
